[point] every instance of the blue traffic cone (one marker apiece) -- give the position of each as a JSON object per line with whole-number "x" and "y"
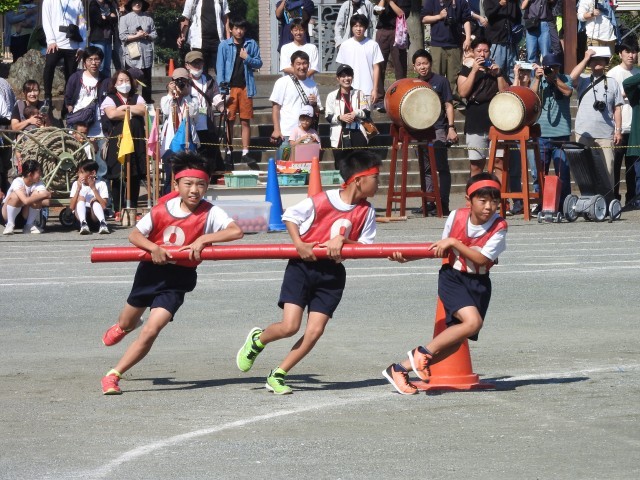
{"x": 273, "y": 196}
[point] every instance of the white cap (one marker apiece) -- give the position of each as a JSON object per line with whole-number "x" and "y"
{"x": 306, "y": 110}
{"x": 601, "y": 52}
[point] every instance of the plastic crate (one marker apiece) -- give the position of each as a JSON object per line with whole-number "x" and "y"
{"x": 291, "y": 179}
{"x": 251, "y": 216}
{"x": 235, "y": 181}
{"x": 330, "y": 177}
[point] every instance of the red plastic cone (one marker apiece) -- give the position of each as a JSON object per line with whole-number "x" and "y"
{"x": 454, "y": 372}
{"x": 315, "y": 182}
{"x": 171, "y": 68}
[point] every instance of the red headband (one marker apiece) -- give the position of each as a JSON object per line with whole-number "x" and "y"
{"x": 192, "y": 172}
{"x": 482, "y": 184}
{"x": 364, "y": 173}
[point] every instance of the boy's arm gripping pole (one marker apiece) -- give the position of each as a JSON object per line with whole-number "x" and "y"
{"x": 264, "y": 251}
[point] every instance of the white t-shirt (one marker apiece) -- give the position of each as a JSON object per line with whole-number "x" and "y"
{"x": 302, "y": 214}
{"x": 361, "y": 56}
{"x": 216, "y": 220}
{"x": 286, "y": 94}
{"x": 620, "y": 74}
{"x": 496, "y": 244}
{"x": 108, "y": 102}
{"x": 88, "y": 93}
{"x": 18, "y": 183}
{"x": 288, "y": 49}
{"x": 201, "y": 118}
{"x": 87, "y": 193}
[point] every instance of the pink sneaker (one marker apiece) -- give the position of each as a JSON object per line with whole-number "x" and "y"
{"x": 110, "y": 385}
{"x": 113, "y": 335}
{"x": 420, "y": 360}
{"x": 400, "y": 380}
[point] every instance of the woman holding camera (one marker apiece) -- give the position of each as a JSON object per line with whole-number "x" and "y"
{"x": 31, "y": 92}
{"x": 121, "y": 95}
{"x": 176, "y": 105}
{"x": 599, "y": 116}
{"x": 137, "y": 33}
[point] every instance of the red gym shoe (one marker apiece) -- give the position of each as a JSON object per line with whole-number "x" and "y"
{"x": 399, "y": 378}
{"x": 420, "y": 360}
{"x": 110, "y": 385}
{"x": 113, "y": 335}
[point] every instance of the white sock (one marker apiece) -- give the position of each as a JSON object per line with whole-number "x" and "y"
{"x": 34, "y": 213}
{"x": 12, "y": 214}
{"x": 98, "y": 211}
{"x": 81, "y": 211}
{"x": 245, "y": 151}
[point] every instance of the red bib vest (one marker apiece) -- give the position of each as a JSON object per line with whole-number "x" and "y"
{"x": 459, "y": 231}
{"x": 169, "y": 230}
{"x": 329, "y": 221}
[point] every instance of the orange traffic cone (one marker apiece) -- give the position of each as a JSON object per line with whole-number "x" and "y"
{"x": 315, "y": 182}
{"x": 454, "y": 372}
{"x": 171, "y": 68}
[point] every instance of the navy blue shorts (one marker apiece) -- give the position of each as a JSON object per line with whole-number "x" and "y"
{"x": 161, "y": 286}
{"x": 318, "y": 285}
{"x": 458, "y": 289}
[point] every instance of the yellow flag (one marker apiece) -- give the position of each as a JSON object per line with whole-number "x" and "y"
{"x": 126, "y": 141}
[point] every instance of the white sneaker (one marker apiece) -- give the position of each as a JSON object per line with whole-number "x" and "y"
{"x": 104, "y": 230}
{"x": 32, "y": 229}
{"x": 8, "y": 229}
{"x": 84, "y": 229}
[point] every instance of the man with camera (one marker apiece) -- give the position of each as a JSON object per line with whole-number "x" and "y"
{"x": 555, "y": 90}
{"x": 66, "y": 32}
{"x": 450, "y": 22}
{"x": 504, "y": 31}
{"x": 599, "y": 117}
{"x": 479, "y": 83}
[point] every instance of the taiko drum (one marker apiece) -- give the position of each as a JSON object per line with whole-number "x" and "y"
{"x": 413, "y": 104}
{"x": 514, "y": 108}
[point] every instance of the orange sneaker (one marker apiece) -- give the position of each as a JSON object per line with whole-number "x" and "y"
{"x": 420, "y": 359}
{"x": 110, "y": 385}
{"x": 113, "y": 335}
{"x": 399, "y": 378}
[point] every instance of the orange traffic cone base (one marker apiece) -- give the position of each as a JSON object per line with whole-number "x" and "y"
{"x": 468, "y": 382}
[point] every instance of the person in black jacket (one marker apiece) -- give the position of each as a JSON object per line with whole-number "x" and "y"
{"x": 504, "y": 30}
{"x": 102, "y": 26}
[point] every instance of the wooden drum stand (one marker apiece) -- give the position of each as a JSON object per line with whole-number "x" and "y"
{"x": 520, "y": 136}
{"x": 401, "y": 139}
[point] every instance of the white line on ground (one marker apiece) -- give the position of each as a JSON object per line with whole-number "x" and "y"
{"x": 149, "y": 448}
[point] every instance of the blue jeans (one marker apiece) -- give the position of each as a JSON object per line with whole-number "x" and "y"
{"x": 553, "y": 151}
{"x": 505, "y": 57}
{"x": 105, "y": 46}
{"x": 538, "y": 42}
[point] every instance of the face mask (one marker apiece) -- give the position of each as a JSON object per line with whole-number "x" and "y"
{"x": 124, "y": 87}
{"x": 196, "y": 73}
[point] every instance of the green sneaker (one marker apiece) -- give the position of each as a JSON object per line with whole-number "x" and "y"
{"x": 249, "y": 351}
{"x": 275, "y": 383}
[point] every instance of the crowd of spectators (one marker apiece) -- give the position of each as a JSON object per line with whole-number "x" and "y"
{"x": 476, "y": 48}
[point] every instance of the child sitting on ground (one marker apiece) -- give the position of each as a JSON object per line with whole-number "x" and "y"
{"x": 304, "y": 133}
{"x": 24, "y": 199}
{"x": 89, "y": 198}
{"x": 328, "y": 220}
{"x": 471, "y": 241}
{"x": 186, "y": 220}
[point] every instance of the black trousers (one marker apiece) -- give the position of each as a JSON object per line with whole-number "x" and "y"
{"x": 210, "y": 54}
{"x": 349, "y": 138}
{"x": 146, "y": 79}
{"x": 50, "y": 63}
{"x": 630, "y": 173}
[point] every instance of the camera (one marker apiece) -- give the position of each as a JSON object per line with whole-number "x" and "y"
{"x": 72, "y": 32}
{"x": 224, "y": 88}
{"x": 599, "y": 106}
{"x": 180, "y": 83}
{"x": 487, "y": 63}
{"x": 548, "y": 71}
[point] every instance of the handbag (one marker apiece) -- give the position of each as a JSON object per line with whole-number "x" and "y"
{"x": 86, "y": 115}
{"x": 402, "y": 33}
{"x": 133, "y": 50}
{"x": 531, "y": 23}
{"x": 369, "y": 127}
